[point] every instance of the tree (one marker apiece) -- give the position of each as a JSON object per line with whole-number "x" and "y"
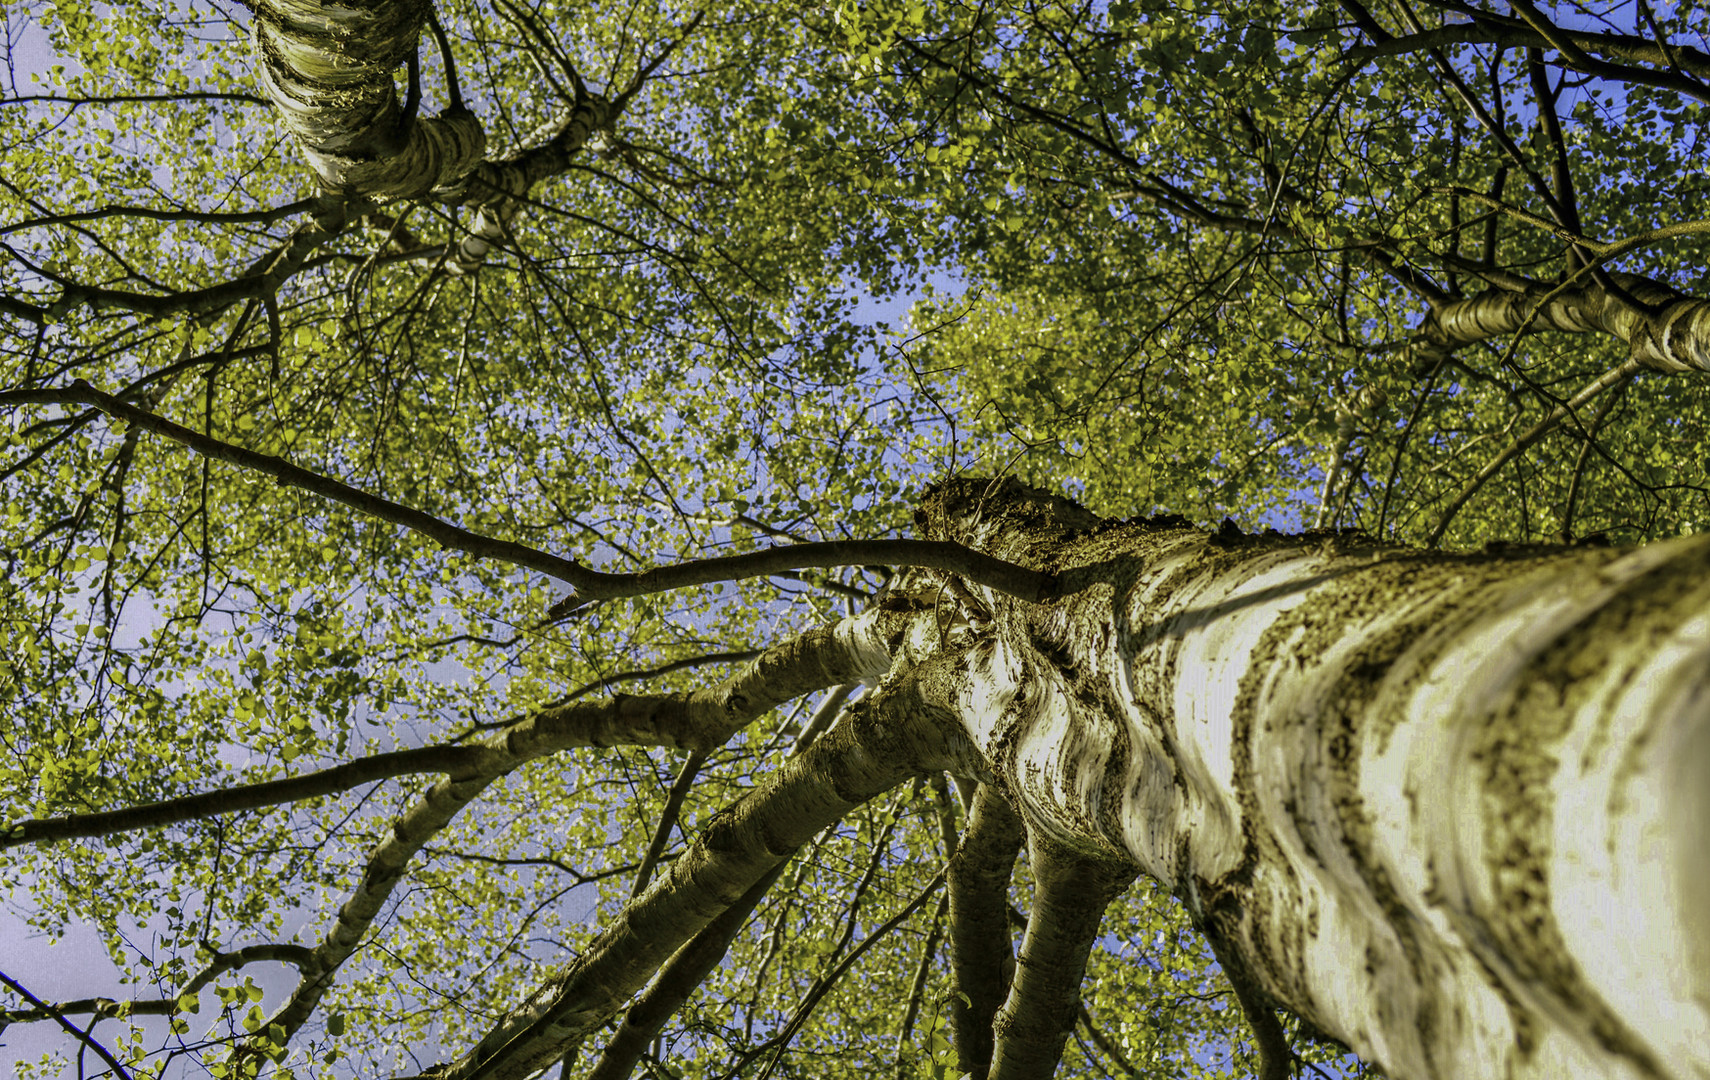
{"x": 287, "y": 470}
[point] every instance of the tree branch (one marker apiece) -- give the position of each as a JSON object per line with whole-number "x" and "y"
{"x": 1613, "y": 377}
{"x": 688, "y": 967}
{"x": 981, "y": 957}
{"x": 823, "y": 984}
{"x": 1491, "y": 29}
{"x": 590, "y": 585}
{"x": 443, "y": 759}
{"x": 668, "y": 819}
{"x": 149, "y": 213}
{"x": 885, "y": 743}
{"x": 917, "y": 988}
{"x": 1669, "y": 333}
{"x": 850, "y": 649}
{"x": 80, "y": 1034}
{"x": 291, "y": 475}
{"x": 1070, "y": 894}
{"x": 261, "y": 279}
{"x": 1105, "y": 1043}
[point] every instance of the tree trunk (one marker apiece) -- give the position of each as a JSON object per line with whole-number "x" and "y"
{"x": 328, "y": 70}
{"x": 1452, "y": 810}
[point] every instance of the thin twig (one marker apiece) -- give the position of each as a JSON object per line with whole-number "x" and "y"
{"x": 1610, "y": 378}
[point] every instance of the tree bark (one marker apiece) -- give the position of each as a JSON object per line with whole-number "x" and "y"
{"x": 328, "y": 70}
{"x": 1450, "y": 809}
{"x": 981, "y": 951}
{"x": 1664, "y": 330}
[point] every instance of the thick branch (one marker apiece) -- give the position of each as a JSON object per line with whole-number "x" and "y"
{"x": 1070, "y": 894}
{"x": 980, "y": 953}
{"x": 889, "y": 737}
{"x": 850, "y": 649}
{"x": 328, "y": 70}
{"x": 678, "y": 979}
{"x": 1491, "y": 29}
{"x": 497, "y": 189}
{"x": 1008, "y": 578}
{"x": 1673, "y": 335}
{"x": 385, "y": 869}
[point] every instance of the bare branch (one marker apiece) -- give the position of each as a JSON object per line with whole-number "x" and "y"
{"x": 80, "y": 1034}
{"x": 291, "y": 475}
{"x": 1613, "y": 377}
{"x": 917, "y": 988}
{"x": 830, "y": 978}
{"x": 149, "y": 213}
{"x": 591, "y": 585}
{"x": 668, "y": 819}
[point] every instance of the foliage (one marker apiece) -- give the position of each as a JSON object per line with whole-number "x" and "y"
{"x": 1193, "y": 239}
{"x": 1205, "y": 239}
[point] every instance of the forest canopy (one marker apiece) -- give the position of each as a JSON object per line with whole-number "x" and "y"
{"x": 366, "y": 372}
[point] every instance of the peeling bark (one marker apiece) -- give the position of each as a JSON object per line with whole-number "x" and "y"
{"x": 1449, "y": 809}
{"x": 1664, "y": 330}
{"x": 497, "y": 189}
{"x": 329, "y": 71}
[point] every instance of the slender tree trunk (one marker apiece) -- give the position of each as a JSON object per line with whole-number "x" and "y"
{"x": 328, "y": 70}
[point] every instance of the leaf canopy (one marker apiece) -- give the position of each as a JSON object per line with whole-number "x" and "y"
{"x": 1195, "y": 258}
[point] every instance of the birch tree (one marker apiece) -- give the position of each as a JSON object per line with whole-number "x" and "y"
{"x": 481, "y": 601}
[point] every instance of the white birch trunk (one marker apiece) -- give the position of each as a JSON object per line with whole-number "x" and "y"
{"x": 328, "y": 70}
{"x": 1452, "y": 810}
